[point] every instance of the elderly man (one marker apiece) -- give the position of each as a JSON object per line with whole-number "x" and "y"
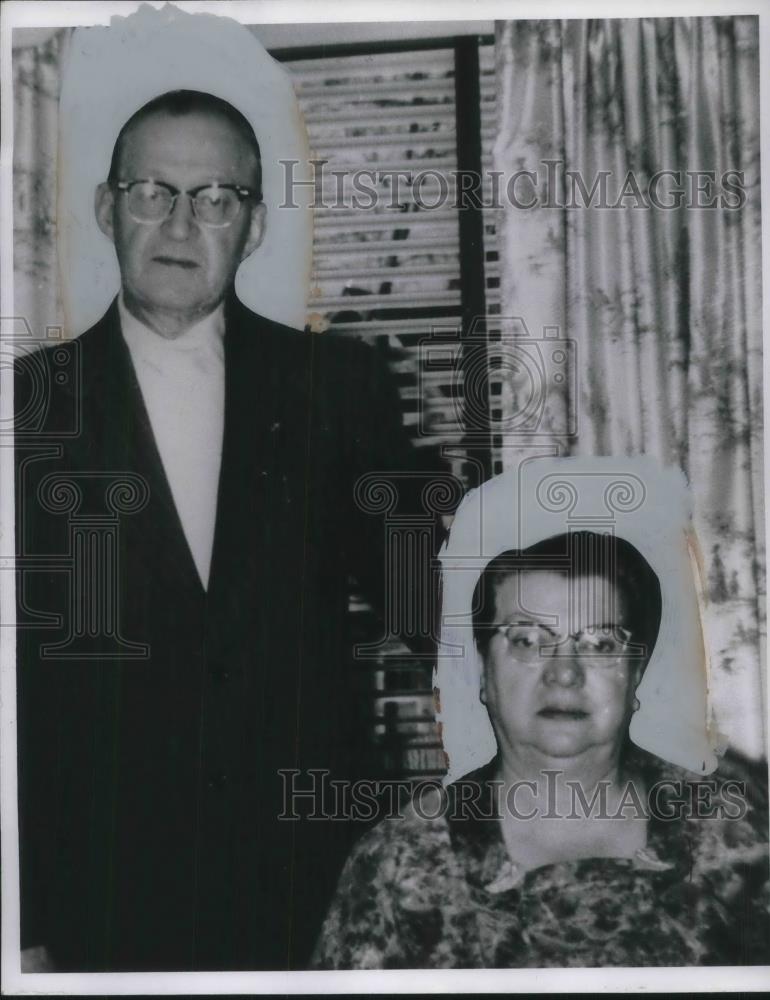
{"x": 225, "y": 447}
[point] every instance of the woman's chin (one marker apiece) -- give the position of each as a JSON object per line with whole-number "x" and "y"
{"x": 564, "y": 740}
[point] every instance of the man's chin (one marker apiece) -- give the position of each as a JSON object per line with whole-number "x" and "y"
{"x": 178, "y": 301}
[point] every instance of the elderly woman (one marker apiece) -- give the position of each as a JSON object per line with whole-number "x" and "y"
{"x": 571, "y": 847}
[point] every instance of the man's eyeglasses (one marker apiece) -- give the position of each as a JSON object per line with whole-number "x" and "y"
{"x": 598, "y": 645}
{"x": 215, "y": 205}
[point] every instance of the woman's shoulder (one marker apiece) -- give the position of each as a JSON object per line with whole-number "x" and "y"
{"x": 396, "y": 890}
{"x": 735, "y": 791}
{"x": 412, "y": 833}
{"x": 723, "y": 818}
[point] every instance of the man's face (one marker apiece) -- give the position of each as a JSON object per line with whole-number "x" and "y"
{"x": 558, "y": 706}
{"x": 178, "y": 266}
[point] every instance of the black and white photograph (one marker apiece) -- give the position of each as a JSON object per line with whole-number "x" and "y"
{"x": 383, "y": 497}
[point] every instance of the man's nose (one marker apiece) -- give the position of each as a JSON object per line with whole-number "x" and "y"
{"x": 564, "y": 667}
{"x": 181, "y": 219}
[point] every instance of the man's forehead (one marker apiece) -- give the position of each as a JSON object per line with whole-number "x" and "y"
{"x": 184, "y": 138}
{"x": 157, "y": 124}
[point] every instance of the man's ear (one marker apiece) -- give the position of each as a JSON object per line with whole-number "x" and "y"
{"x": 257, "y": 229}
{"x": 104, "y": 207}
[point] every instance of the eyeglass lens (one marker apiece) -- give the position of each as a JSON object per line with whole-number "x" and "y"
{"x": 530, "y": 642}
{"x": 213, "y": 206}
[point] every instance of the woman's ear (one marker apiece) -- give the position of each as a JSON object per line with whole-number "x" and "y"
{"x": 483, "y": 686}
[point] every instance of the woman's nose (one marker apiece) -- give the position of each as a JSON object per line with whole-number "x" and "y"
{"x": 564, "y": 668}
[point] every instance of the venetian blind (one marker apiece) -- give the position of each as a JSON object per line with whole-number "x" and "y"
{"x": 390, "y": 274}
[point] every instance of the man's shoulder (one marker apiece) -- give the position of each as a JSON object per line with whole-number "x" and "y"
{"x": 330, "y": 347}
{"x": 241, "y": 317}
{"x": 58, "y": 351}
{"x": 53, "y": 376}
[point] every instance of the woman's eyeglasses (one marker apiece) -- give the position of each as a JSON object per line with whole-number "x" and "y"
{"x": 597, "y": 645}
{"x": 215, "y": 205}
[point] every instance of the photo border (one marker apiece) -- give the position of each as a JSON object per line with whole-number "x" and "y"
{"x": 387, "y": 14}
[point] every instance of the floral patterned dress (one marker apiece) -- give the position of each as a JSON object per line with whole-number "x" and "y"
{"x": 443, "y": 893}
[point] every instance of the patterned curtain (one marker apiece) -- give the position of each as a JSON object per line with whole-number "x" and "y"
{"x": 660, "y": 295}
{"x": 36, "y": 81}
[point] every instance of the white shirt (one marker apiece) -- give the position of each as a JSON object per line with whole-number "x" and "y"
{"x": 183, "y": 386}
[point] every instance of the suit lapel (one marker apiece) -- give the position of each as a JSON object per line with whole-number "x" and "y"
{"x": 238, "y": 495}
{"x": 262, "y": 481}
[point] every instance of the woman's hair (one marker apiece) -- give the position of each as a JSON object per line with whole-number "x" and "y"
{"x": 578, "y": 554}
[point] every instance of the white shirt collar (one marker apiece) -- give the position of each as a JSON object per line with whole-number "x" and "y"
{"x": 183, "y": 385}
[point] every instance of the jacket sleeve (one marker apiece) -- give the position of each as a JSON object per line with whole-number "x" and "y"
{"x": 37, "y": 537}
{"x": 400, "y": 493}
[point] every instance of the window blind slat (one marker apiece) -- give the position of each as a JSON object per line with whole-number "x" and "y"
{"x": 382, "y": 64}
{"x": 368, "y": 302}
{"x": 385, "y": 247}
{"x": 363, "y": 111}
{"x": 309, "y": 91}
{"x": 415, "y": 273}
{"x": 340, "y": 222}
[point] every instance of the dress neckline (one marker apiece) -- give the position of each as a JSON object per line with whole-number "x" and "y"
{"x": 478, "y": 843}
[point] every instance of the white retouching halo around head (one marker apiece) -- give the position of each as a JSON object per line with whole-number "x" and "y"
{"x": 110, "y": 73}
{"x": 637, "y": 499}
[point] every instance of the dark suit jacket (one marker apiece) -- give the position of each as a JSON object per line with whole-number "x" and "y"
{"x": 149, "y": 784}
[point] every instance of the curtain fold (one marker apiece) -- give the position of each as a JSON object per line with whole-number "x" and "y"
{"x": 36, "y": 74}
{"x": 661, "y": 297}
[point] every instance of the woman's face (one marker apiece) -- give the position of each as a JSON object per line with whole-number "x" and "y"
{"x": 559, "y": 707}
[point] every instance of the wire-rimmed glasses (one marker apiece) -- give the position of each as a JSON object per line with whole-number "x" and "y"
{"x": 596, "y": 645}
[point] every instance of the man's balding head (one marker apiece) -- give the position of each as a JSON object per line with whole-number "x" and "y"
{"x": 185, "y": 102}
